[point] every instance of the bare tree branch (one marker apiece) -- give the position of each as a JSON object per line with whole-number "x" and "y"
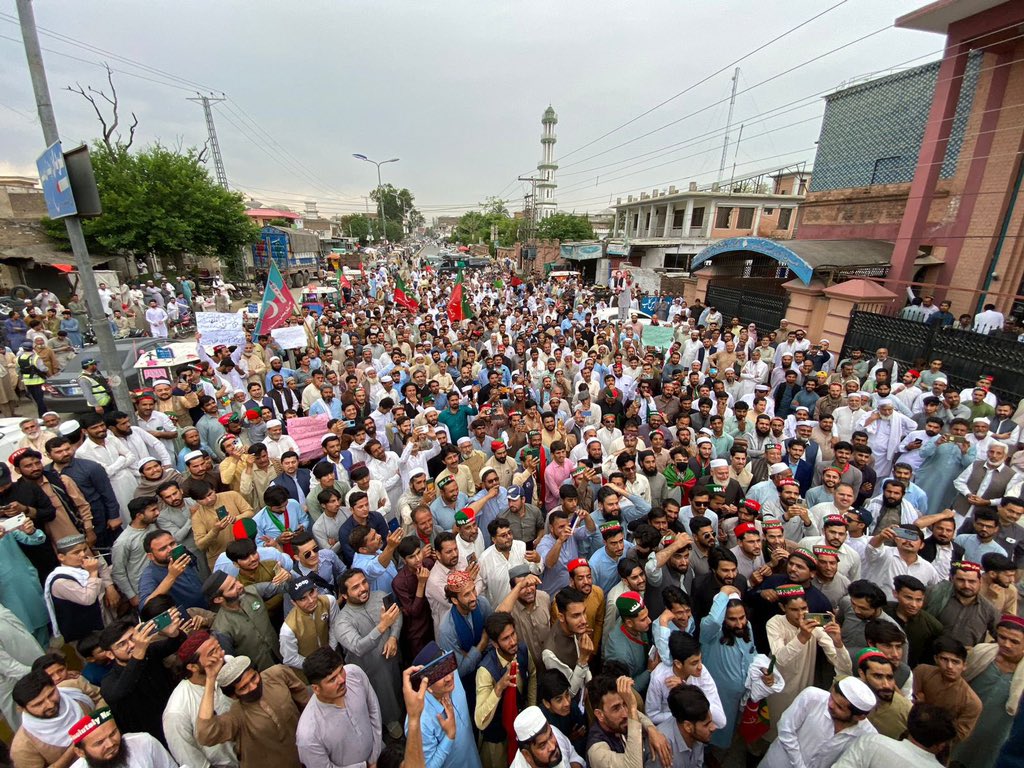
{"x": 108, "y": 129}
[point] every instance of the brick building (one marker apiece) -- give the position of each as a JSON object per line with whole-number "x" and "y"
{"x": 929, "y": 161}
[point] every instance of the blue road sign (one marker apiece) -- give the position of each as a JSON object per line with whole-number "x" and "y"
{"x": 60, "y": 201}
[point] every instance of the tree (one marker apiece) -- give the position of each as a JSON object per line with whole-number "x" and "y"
{"x": 358, "y": 226}
{"x": 565, "y": 227}
{"x": 161, "y": 202}
{"x": 398, "y": 208}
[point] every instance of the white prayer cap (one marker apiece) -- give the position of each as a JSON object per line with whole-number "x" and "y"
{"x": 143, "y": 462}
{"x": 54, "y": 413}
{"x": 718, "y": 464}
{"x": 857, "y": 693}
{"x": 702, "y": 440}
{"x": 761, "y": 387}
{"x": 193, "y": 455}
{"x": 777, "y": 469}
{"x": 233, "y": 669}
{"x": 328, "y": 436}
{"x": 980, "y": 420}
{"x": 463, "y": 441}
{"x": 429, "y": 409}
{"x": 854, "y": 394}
{"x": 706, "y": 431}
{"x": 592, "y": 440}
{"x": 885, "y": 401}
{"x": 529, "y": 723}
{"x": 274, "y": 357}
{"x": 805, "y": 423}
{"x": 387, "y": 377}
{"x": 273, "y": 423}
{"x": 417, "y": 473}
{"x": 156, "y": 383}
{"x": 68, "y": 427}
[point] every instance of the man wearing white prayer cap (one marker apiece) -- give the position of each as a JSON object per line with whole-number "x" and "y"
{"x": 886, "y": 428}
{"x": 820, "y": 725}
{"x": 542, "y": 745}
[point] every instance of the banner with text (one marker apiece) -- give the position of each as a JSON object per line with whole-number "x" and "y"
{"x": 306, "y": 431}
{"x": 658, "y": 336}
{"x": 220, "y": 328}
{"x": 290, "y": 336}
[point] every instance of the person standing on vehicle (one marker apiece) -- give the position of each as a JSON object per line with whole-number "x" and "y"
{"x": 33, "y": 374}
{"x": 95, "y": 387}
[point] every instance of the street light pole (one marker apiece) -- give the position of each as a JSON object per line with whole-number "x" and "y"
{"x": 104, "y": 335}
{"x": 380, "y": 189}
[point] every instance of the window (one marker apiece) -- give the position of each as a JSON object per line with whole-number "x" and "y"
{"x": 636, "y": 223}
{"x": 678, "y": 261}
{"x": 745, "y": 218}
{"x": 722, "y": 216}
{"x": 785, "y": 214}
{"x": 769, "y": 211}
{"x": 678, "y": 219}
{"x": 697, "y": 219}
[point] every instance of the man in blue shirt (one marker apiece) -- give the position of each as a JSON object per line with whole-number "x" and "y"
{"x": 359, "y": 505}
{"x": 446, "y": 723}
{"x": 604, "y": 562}
{"x": 561, "y": 544}
{"x": 378, "y": 564}
{"x": 165, "y": 575}
{"x": 280, "y": 519}
{"x": 456, "y": 417}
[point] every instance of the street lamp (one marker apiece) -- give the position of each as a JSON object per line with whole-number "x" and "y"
{"x": 380, "y": 193}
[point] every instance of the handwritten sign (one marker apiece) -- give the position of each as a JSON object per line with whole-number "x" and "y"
{"x": 658, "y": 336}
{"x": 220, "y": 328}
{"x": 288, "y": 336}
{"x": 306, "y": 431}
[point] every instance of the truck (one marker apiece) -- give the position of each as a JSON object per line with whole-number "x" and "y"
{"x": 296, "y": 253}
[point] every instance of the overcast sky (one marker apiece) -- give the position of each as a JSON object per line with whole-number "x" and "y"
{"x": 456, "y": 88}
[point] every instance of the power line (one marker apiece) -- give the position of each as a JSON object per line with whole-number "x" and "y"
{"x": 705, "y": 79}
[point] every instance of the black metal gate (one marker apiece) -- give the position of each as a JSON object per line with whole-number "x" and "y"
{"x": 765, "y": 310}
{"x": 965, "y": 355}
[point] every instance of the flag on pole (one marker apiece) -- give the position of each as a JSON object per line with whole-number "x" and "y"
{"x": 459, "y": 307}
{"x": 278, "y": 302}
{"x": 499, "y": 284}
{"x": 516, "y": 282}
{"x": 402, "y": 297}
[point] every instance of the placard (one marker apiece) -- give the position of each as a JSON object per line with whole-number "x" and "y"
{"x": 220, "y": 328}
{"x": 290, "y": 336}
{"x": 660, "y": 336}
{"x": 306, "y": 431}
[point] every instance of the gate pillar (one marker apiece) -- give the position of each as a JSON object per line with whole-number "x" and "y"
{"x": 839, "y": 301}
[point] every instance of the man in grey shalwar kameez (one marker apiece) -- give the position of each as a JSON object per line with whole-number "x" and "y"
{"x": 369, "y": 635}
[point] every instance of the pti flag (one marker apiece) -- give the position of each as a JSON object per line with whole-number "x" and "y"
{"x": 402, "y": 297}
{"x": 278, "y": 302}
{"x": 459, "y": 307}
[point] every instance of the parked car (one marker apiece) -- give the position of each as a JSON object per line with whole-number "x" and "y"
{"x": 610, "y": 314}
{"x": 62, "y": 394}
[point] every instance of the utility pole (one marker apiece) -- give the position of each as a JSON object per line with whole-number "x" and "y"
{"x": 104, "y": 335}
{"x": 728, "y": 124}
{"x": 530, "y": 213}
{"x": 211, "y": 131}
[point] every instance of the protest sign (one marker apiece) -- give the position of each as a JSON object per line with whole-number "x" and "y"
{"x": 289, "y": 336}
{"x": 658, "y": 336}
{"x": 306, "y": 431}
{"x": 220, "y": 328}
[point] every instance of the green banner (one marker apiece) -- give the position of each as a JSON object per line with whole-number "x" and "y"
{"x": 658, "y": 336}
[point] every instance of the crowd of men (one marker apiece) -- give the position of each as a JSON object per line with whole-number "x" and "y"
{"x": 526, "y": 539}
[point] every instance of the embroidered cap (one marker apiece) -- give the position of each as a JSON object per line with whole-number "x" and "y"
{"x": 629, "y": 604}
{"x": 88, "y": 724}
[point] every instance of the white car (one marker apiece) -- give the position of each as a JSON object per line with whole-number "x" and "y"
{"x": 10, "y": 436}
{"x": 611, "y": 314}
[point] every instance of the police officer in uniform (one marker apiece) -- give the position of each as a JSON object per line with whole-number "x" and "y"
{"x": 95, "y": 388}
{"x": 33, "y": 373}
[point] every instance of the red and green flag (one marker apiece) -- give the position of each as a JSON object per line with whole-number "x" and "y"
{"x": 402, "y": 297}
{"x": 459, "y": 307}
{"x": 499, "y": 284}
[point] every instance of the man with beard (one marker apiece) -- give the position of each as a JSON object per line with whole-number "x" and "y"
{"x": 139, "y": 442}
{"x": 723, "y": 571}
{"x": 115, "y": 458}
{"x": 98, "y": 743}
{"x": 341, "y": 724}
{"x": 48, "y": 712}
{"x": 960, "y": 607}
{"x": 168, "y": 575}
{"x": 762, "y": 600}
{"x": 632, "y": 578}
{"x": 265, "y": 714}
{"x": 138, "y": 685}
{"x": 540, "y": 744}
{"x": 569, "y": 646}
{"x": 615, "y": 739}
{"x": 531, "y": 610}
{"x": 890, "y": 716}
{"x": 629, "y": 645}
{"x": 669, "y": 566}
{"x": 242, "y": 616}
{"x": 504, "y": 554}
{"x": 177, "y": 402}
{"x": 369, "y": 634}
{"x": 690, "y": 728}
{"x": 258, "y": 472}
{"x": 819, "y": 725}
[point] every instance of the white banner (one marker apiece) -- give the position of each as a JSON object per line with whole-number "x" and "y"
{"x": 220, "y": 328}
{"x": 290, "y": 336}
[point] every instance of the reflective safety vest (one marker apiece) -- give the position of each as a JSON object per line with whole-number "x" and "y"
{"x": 99, "y": 391}
{"x": 29, "y": 364}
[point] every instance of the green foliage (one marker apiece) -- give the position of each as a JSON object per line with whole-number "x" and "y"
{"x": 398, "y": 209}
{"x": 163, "y": 202}
{"x": 475, "y": 227}
{"x": 565, "y": 227}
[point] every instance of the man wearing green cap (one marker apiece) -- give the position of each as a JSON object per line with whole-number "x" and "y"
{"x": 629, "y": 644}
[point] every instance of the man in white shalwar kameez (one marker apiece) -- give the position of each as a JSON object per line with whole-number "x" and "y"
{"x": 115, "y": 458}
{"x": 886, "y": 429}
{"x": 157, "y": 319}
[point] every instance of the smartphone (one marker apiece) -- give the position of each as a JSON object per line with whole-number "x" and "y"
{"x": 178, "y": 552}
{"x": 389, "y": 600}
{"x": 821, "y": 619}
{"x": 957, "y": 438}
{"x": 531, "y": 546}
{"x": 471, "y": 559}
{"x": 771, "y": 665}
{"x": 162, "y": 620}
{"x": 903, "y": 533}
{"x": 573, "y": 522}
{"x": 222, "y": 512}
{"x": 12, "y": 523}
{"x": 435, "y": 670}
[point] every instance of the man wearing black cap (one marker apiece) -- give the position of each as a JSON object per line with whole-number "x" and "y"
{"x": 309, "y": 625}
{"x": 242, "y": 615}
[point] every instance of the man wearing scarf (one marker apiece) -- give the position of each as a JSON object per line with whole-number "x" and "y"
{"x": 629, "y": 644}
{"x": 74, "y": 589}
{"x": 47, "y": 714}
{"x": 462, "y": 628}
{"x": 506, "y": 683}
